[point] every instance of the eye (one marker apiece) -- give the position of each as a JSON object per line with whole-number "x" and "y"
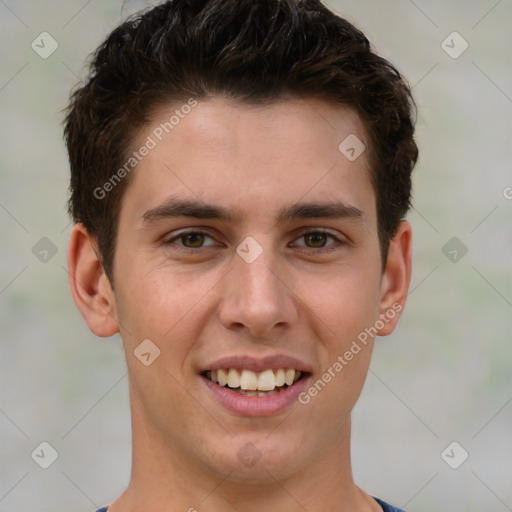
{"x": 191, "y": 240}
{"x": 317, "y": 239}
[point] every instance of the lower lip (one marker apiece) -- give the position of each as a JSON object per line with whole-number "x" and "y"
{"x": 256, "y": 405}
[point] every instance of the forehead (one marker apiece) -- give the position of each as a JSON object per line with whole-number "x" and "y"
{"x": 251, "y": 158}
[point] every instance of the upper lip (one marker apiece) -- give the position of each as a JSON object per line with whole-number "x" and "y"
{"x": 258, "y": 364}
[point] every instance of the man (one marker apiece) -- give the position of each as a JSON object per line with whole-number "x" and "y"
{"x": 240, "y": 173}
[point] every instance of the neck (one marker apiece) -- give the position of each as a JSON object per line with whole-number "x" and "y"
{"x": 166, "y": 478}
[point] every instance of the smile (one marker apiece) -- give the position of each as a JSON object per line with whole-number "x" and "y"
{"x": 255, "y": 393}
{"x": 250, "y": 383}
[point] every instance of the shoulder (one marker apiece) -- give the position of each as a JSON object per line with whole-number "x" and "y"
{"x": 385, "y": 506}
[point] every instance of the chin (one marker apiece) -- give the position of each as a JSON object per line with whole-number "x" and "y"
{"x": 259, "y": 459}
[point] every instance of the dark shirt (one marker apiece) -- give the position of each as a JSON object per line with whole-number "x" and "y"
{"x": 385, "y": 507}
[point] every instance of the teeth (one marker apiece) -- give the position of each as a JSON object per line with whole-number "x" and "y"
{"x": 233, "y": 378}
{"x": 255, "y": 393}
{"x": 223, "y": 377}
{"x": 247, "y": 380}
{"x": 267, "y": 380}
{"x": 280, "y": 377}
{"x": 289, "y": 375}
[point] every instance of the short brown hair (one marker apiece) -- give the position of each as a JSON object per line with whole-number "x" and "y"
{"x": 248, "y": 50}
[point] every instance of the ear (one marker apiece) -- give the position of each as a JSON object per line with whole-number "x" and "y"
{"x": 396, "y": 278}
{"x": 89, "y": 284}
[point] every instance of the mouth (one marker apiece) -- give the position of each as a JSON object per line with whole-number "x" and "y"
{"x": 250, "y": 386}
{"x": 249, "y": 383}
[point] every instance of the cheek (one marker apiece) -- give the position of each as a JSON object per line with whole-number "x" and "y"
{"x": 166, "y": 307}
{"x": 344, "y": 303}
{"x": 346, "y": 308}
{"x": 163, "y": 310}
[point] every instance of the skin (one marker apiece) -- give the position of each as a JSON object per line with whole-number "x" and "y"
{"x": 196, "y": 308}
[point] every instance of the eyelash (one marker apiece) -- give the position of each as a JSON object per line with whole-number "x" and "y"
{"x": 322, "y": 250}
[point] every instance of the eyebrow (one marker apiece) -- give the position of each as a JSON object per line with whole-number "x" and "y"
{"x": 199, "y": 210}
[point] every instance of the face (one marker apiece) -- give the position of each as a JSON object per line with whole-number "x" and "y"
{"x": 247, "y": 250}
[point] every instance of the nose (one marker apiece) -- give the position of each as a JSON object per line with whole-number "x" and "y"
{"x": 258, "y": 297}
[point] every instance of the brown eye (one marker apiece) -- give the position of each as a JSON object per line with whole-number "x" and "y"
{"x": 196, "y": 240}
{"x": 316, "y": 239}
{"x": 190, "y": 241}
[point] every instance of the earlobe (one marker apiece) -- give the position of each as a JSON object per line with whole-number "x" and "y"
{"x": 396, "y": 278}
{"x": 90, "y": 286}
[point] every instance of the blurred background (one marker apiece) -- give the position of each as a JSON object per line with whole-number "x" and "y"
{"x": 433, "y": 427}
